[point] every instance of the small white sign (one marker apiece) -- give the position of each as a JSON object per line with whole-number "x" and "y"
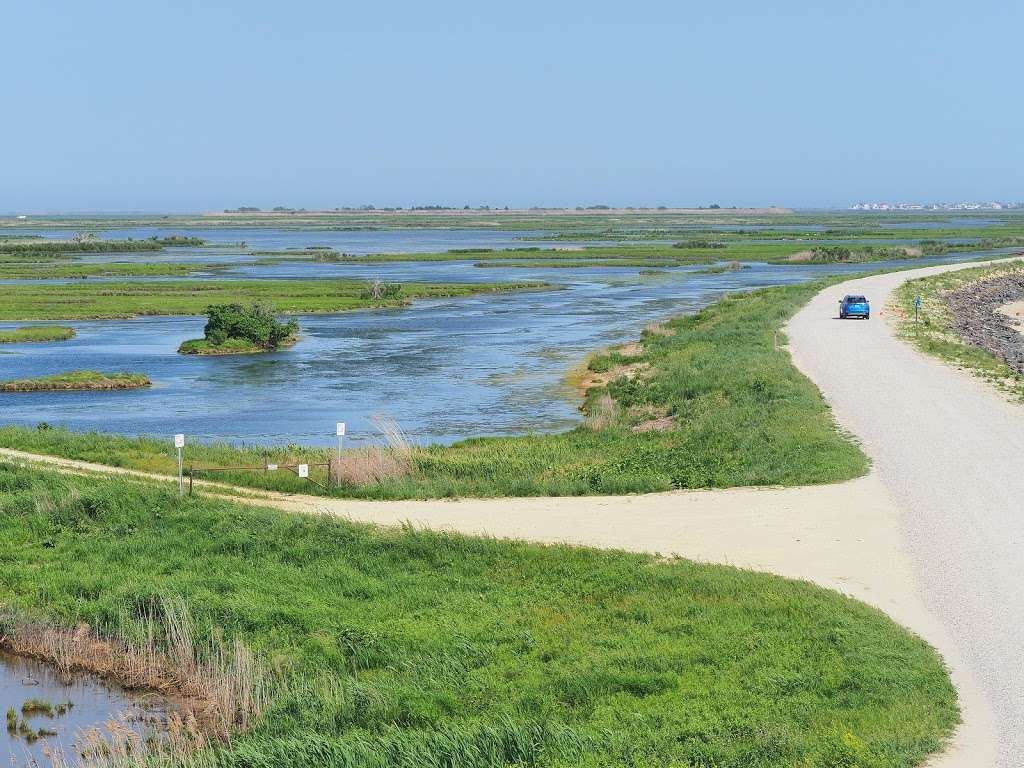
{"x": 341, "y": 429}
{"x": 271, "y": 467}
{"x": 179, "y": 441}
{"x": 303, "y": 470}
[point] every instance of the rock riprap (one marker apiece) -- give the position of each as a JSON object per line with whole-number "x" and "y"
{"x": 977, "y": 319}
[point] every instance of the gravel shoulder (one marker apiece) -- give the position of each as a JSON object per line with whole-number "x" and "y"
{"x": 948, "y": 449}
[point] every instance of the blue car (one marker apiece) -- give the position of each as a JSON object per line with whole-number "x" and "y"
{"x": 854, "y": 306}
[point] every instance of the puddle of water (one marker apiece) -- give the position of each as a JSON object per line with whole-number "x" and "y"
{"x": 79, "y": 704}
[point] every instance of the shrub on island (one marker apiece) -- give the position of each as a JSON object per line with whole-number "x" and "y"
{"x": 234, "y": 329}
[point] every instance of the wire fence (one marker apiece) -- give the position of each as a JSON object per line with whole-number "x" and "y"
{"x": 300, "y": 470}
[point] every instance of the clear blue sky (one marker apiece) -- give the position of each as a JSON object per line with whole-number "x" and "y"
{"x": 187, "y": 106}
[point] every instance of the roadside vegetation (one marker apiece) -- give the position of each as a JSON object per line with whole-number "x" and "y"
{"x": 36, "y": 333}
{"x": 934, "y": 333}
{"x": 709, "y": 400}
{"x": 110, "y": 300}
{"x": 233, "y": 329}
{"x": 77, "y": 381}
{"x": 404, "y": 648}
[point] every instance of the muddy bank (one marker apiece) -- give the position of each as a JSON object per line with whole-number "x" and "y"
{"x": 977, "y": 319}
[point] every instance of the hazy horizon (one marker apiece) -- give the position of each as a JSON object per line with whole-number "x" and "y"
{"x": 188, "y": 107}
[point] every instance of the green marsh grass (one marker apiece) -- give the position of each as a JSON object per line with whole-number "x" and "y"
{"x": 407, "y": 648}
{"x": 111, "y": 300}
{"x": 77, "y": 381}
{"x": 36, "y": 333}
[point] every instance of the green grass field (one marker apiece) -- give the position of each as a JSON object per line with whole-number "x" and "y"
{"x": 36, "y": 333}
{"x": 410, "y": 649}
{"x": 132, "y": 299}
{"x": 738, "y": 413}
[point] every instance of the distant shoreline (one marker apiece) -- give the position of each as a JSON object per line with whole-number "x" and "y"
{"x": 503, "y": 212}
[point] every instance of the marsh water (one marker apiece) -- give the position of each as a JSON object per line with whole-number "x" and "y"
{"x": 93, "y": 704}
{"x": 443, "y": 369}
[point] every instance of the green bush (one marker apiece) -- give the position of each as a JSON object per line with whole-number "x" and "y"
{"x": 255, "y": 324}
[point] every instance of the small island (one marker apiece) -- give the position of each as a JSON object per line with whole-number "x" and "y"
{"x": 36, "y": 333}
{"x": 234, "y": 329}
{"x": 77, "y": 381}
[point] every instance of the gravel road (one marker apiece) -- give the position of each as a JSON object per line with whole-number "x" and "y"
{"x": 951, "y": 452}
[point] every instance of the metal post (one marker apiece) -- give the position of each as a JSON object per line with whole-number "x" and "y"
{"x": 341, "y": 436}
{"x": 179, "y": 443}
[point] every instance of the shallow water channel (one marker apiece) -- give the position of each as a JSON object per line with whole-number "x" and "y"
{"x": 443, "y": 369}
{"x": 80, "y": 704}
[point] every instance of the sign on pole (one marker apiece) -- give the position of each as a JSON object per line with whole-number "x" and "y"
{"x": 179, "y": 444}
{"x": 303, "y": 470}
{"x": 341, "y": 436}
{"x": 917, "y": 307}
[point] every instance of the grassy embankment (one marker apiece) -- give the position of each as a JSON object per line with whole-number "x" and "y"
{"x": 403, "y": 648}
{"x": 707, "y": 400}
{"x": 77, "y": 381}
{"x": 127, "y": 299}
{"x": 933, "y": 333}
{"x": 36, "y": 333}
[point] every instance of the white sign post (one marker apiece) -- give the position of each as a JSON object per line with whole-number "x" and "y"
{"x": 303, "y": 470}
{"x": 179, "y": 443}
{"x": 341, "y": 436}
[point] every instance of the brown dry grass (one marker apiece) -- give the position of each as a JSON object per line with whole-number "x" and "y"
{"x": 663, "y": 424}
{"x": 218, "y": 684}
{"x": 369, "y": 466}
{"x": 659, "y": 329}
{"x": 602, "y": 414}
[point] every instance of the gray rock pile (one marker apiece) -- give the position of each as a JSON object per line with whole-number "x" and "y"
{"x": 977, "y": 321}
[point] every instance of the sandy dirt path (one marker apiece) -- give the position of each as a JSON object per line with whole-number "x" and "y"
{"x": 950, "y": 451}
